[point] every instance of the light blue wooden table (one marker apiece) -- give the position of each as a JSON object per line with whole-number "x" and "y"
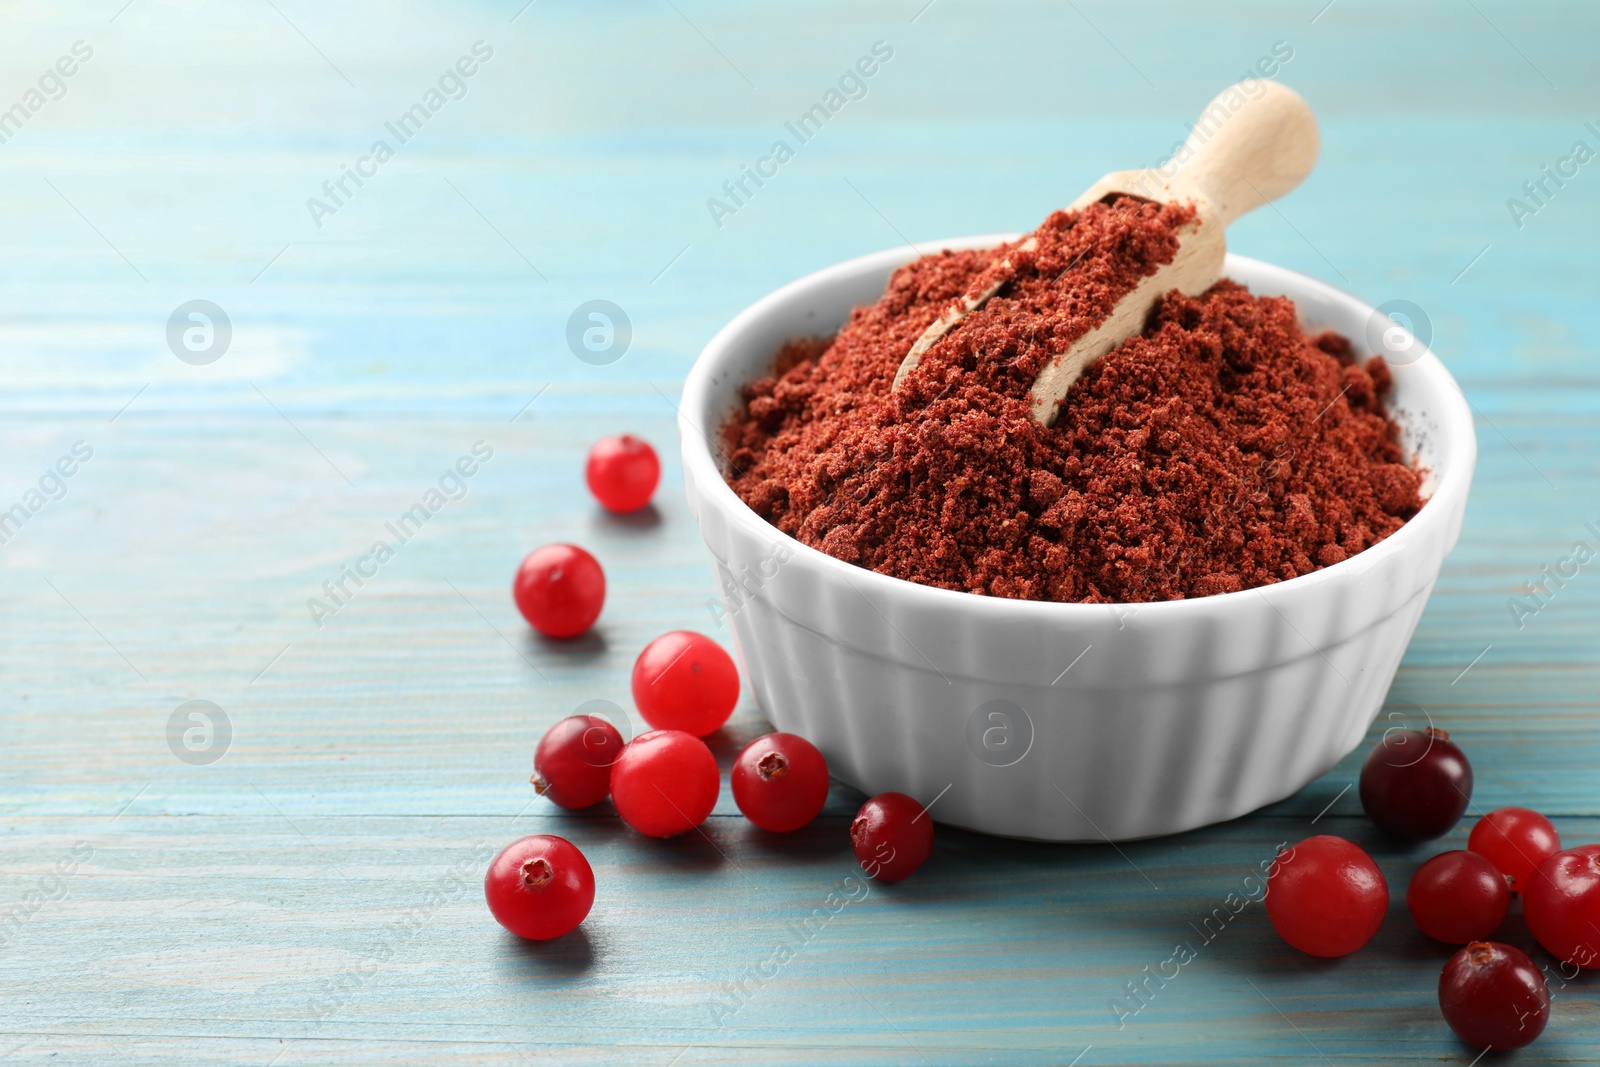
{"x": 313, "y": 895}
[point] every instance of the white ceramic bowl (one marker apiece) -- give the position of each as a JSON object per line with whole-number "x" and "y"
{"x": 1067, "y": 722}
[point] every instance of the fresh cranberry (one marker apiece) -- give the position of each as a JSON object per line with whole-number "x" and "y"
{"x": 1493, "y": 996}
{"x": 539, "y": 887}
{"x": 572, "y": 765}
{"x": 1562, "y": 905}
{"x": 559, "y": 590}
{"x": 892, "y": 836}
{"x": 1326, "y": 897}
{"x": 1516, "y": 841}
{"x": 685, "y": 681}
{"x": 622, "y": 472}
{"x": 780, "y": 782}
{"x": 1458, "y": 897}
{"x": 1416, "y": 783}
{"x": 665, "y": 782}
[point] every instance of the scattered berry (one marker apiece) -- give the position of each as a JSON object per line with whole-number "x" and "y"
{"x": 539, "y": 887}
{"x": 665, "y": 782}
{"x": 572, "y": 765}
{"x": 1458, "y": 897}
{"x": 1416, "y": 783}
{"x": 780, "y": 782}
{"x": 1516, "y": 841}
{"x": 892, "y": 836}
{"x": 685, "y": 681}
{"x": 559, "y": 590}
{"x": 622, "y": 472}
{"x": 1326, "y": 897}
{"x": 1493, "y": 996}
{"x": 1562, "y": 905}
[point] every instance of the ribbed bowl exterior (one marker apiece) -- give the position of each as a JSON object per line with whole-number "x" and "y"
{"x": 1067, "y": 722}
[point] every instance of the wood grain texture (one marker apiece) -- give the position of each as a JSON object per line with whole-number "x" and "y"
{"x": 312, "y": 897}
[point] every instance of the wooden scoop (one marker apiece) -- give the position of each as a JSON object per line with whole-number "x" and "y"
{"x": 1253, "y": 143}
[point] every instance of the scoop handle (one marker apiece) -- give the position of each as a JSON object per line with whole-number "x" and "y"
{"x": 1253, "y": 143}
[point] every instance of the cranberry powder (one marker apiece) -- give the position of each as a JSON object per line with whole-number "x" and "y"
{"x": 1220, "y": 450}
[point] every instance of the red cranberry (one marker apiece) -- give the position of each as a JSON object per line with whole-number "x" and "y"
{"x": 1516, "y": 841}
{"x": 1326, "y": 897}
{"x": 622, "y": 472}
{"x": 559, "y": 589}
{"x": 665, "y": 782}
{"x": 1493, "y": 996}
{"x": 685, "y": 681}
{"x": 892, "y": 836}
{"x": 539, "y": 887}
{"x": 1562, "y": 905}
{"x": 1458, "y": 897}
{"x": 572, "y": 765}
{"x": 780, "y": 782}
{"x": 1416, "y": 784}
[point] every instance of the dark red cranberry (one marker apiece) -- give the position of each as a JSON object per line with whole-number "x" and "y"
{"x": 892, "y": 836}
{"x": 1416, "y": 784}
{"x": 1458, "y": 897}
{"x": 1493, "y": 996}
{"x": 572, "y": 765}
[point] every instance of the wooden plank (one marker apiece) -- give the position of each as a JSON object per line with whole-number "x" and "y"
{"x": 198, "y": 928}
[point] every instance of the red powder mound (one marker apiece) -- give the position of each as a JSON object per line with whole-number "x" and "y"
{"x": 1221, "y": 450}
{"x": 1085, "y": 262}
